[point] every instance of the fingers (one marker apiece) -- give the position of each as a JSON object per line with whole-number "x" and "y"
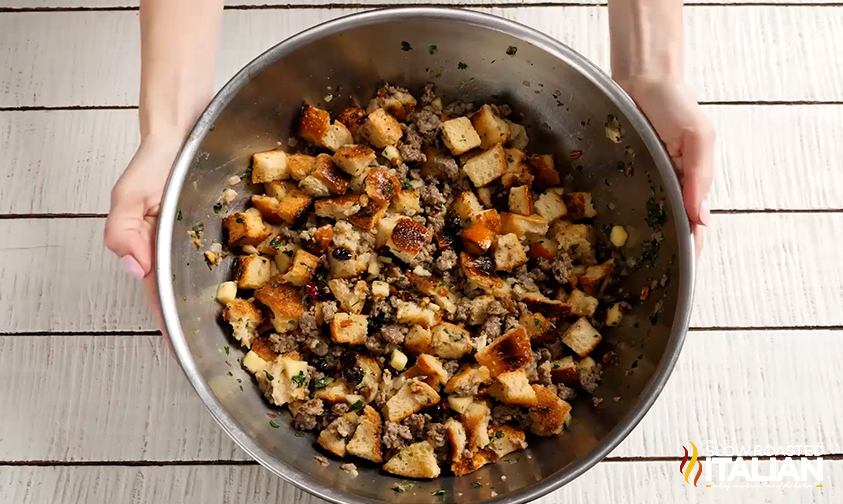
{"x": 128, "y": 235}
{"x": 151, "y": 290}
{"x": 699, "y": 240}
{"x": 698, "y": 171}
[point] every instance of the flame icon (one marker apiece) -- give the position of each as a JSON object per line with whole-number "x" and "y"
{"x": 694, "y": 461}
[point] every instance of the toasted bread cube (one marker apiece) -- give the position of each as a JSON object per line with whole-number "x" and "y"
{"x": 334, "y": 392}
{"x": 544, "y": 247}
{"x": 456, "y": 437}
{"x": 318, "y": 241}
{"x": 290, "y": 209}
{"x": 366, "y": 442}
{"x": 521, "y": 225}
{"x": 490, "y": 219}
{"x": 472, "y": 462}
{"x": 491, "y": 128}
{"x": 538, "y": 327}
{"x": 466, "y": 205}
{"x": 451, "y": 341}
{"x": 419, "y": 340}
{"x": 369, "y": 216}
{"x": 467, "y": 379}
{"x": 478, "y": 309}
{"x": 577, "y": 240}
{"x": 509, "y": 254}
{"x": 459, "y": 135}
{"x": 430, "y": 367}
{"x": 564, "y": 371}
{"x": 614, "y": 315}
{"x": 353, "y": 118}
{"x": 335, "y": 437}
{"x": 407, "y": 239}
{"x": 551, "y": 206}
{"x": 548, "y": 416}
{"x": 518, "y": 138}
{"x": 506, "y": 439}
{"x": 409, "y": 312}
{"x": 245, "y": 229}
{"x": 252, "y": 272}
{"x": 484, "y": 195}
{"x": 513, "y": 388}
{"x": 411, "y": 398}
{"x": 485, "y": 168}
{"x": 303, "y": 268}
{"x": 336, "y": 137}
{"x": 263, "y": 348}
{"x": 382, "y": 185}
{"x": 550, "y": 308}
{"x": 313, "y": 124}
{"x": 477, "y": 239}
{"x": 299, "y": 166}
{"x": 338, "y": 208}
{"x": 284, "y": 257}
{"x": 476, "y": 422}
{"x": 543, "y": 171}
{"x": 268, "y": 166}
{"x": 381, "y": 129}
{"x": 354, "y": 159}
{"x": 582, "y": 337}
{"x": 351, "y": 300}
{"x": 415, "y": 461}
{"x": 479, "y": 273}
{"x": 579, "y": 205}
{"x": 349, "y": 329}
{"x": 244, "y": 318}
{"x": 314, "y": 187}
{"x": 368, "y": 387}
{"x": 510, "y": 352}
{"x": 397, "y": 101}
{"x": 582, "y": 305}
{"x": 407, "y": 202}
{"x": 354, "y": 267}
{"x": 459, "y": 404}
{"x": 285, "y": 302}
{"x": 516, "y": 173}
{"x": 329, "y": 175}
{"x": 521, "y": 200}
{"x": 596, "y": 276}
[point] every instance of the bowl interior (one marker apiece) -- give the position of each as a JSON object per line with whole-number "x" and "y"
{"x": 564, "y": 110}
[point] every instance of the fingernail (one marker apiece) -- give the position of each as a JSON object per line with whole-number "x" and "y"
{"x": 705, "y": 212}
{"x": 131, "y": 266}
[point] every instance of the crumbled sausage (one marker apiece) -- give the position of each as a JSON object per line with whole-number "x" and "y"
{"x": 410, "y": 148}
{"x": 562, "y": 268}
{"x": 308, "y": 415}
{"x": 283, "y": 343}
{"x": 329, "y": 309}
{"x": 395, "y": 436}
{"x": 446, "y": 261}
{"x": 393, "y": 334}
{"x": 435, "y": 434}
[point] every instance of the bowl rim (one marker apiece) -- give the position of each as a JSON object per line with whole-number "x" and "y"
{"x": 175, "y": 183}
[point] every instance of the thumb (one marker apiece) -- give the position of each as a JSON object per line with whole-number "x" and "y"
{"x": 128, "y": 235}
{"x": 697, "y": 171}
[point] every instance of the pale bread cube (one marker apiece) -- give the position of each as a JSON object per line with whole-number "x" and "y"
{"x": 244, "y": 318}
{"x": 506, "y": 439}
{"x": 408, "y": 312}
{"x": 252, "y": 271}
{"x": 456, "y": 437}
{"x": 491, "y": 128}
{"x": 521, "y": 200}
{"x": 419, "y": 340}
{"x": 351, "y": 300}
{"x": 333, "y": 438}
{"x": 451, "y": 341}
{"x": 582, "y": 337}
{"x": 381, "y": 129}
{"x": 245, "y": 229}
{"x": 415, "y": 461}
{"x": 338, "y": 208}
{"x": 407, "y": 202}
{"x": 538, "y": 327}
{"x": 284, "y": 257}
{"x": 349, "y": 328}
{"x": 577, "y": 240}
{"x": 459, "y": 135}
{"x": 551, "y": 206}
{"x": 411, "y": 398}
{"x": 579, "y": 206}
{"x": 522, "y": 225}
{"x": 487, "y": 167}
{"x": 467, "y": 378}
{"x": 510, "y": 352}
{"x": 476, "y": 422}
{"x": 466, "y": 205}
{"x": 303, "y": 268}
{"x": 513, "y": 388}
{"x": 548, "y": 416}
{"x": 334, "y": 392}
{"x": 582, "y": 305}
{"x": 429, "y": 367}
{"x": 268, "y": 166}
{"x": 484, "y": 195}
{"x": 509, "y": 254}
{"x": 336, "y": 137}
{"x": 366, "y": 442}
{"x": 354, "y": 159}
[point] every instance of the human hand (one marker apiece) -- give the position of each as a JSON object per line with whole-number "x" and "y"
{"x": 689, "y": 137}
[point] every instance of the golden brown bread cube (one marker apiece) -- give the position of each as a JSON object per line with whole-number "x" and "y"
{"x": 477, "y": 239}
{"x": 521, "y": 200}
{"x": 467, "y": 379}
{"x": 334, "y": 438}
{"x": 551, "y": 205}
{"x": 303, "y": 268}
{"x": 484, "y": 195}
{"x": 539, "y": 328}
{"x": 244, "y": 318}
{"x": 428, "y": 366}
{"x": 544, "y": 247}
{"x": 252, "y": 271}
{"x": 522, "y": 225}
{"x": 349, "y": 329}
{"x": 268, "y": 166}
{"x": 509, "y": 254}
{"x": 518, "y": 138}
{"x": 460, "y": 136}
{"x": 262, "y": 347}
{"x": 408, "y": 312}
{"x": 353, "y": 118}
{"x": 576, "y": 240}
{"x": 582, "y": 305}
{"x": 550, "y": 308}
{"x": 334, "y": 392}
{"x": 331, "y": 177}
{"x": 411, "y": 398}
{"x": 290, "y": 209}
{"x": 245, "y": 229}
{"x": 480, "y": 274}
{"x": 366, "y": 442}
{"x": 382, "y": 185}
{"x": 543, "y": 171}
{"x": 354, "y": 159}
{"x": 564, "y": 371}
{"x": 510, "y": 352}
{"x": 451, "y": 341}
{"x": 579, "y": 206}
{"x": 487, "y": 167}
{"x": 548, "y": 416}
{"x": 476, "y": 420}
{"x": 491, "y": 128}
{"x": 381, "y": 129}
{"x": 506, "y": 439}
{"x": 407, "y": 239}
{"x": 471, "y": 462}
{"x": 398, "y": 102}
{"x": 320, "y": 240}
{"x": 369, "y": 216}
{"x": 313, "y": 124}
{"x": 489, "y": 219}
{"x": 370, "y": 383}
{"x": 338, "y": 208}
{"x": 351, "y": 300}
{"x": 516, "y": 169}
{"x": 415, "y": 461}
{"x": 457, "y": 438}
{"x": 513, "y": 388}
{"x": 285, "y": 302}
{"x": 407, "y": 202}
{"x": 595, "y": 277}
{"x": 299, "y": 167}
{"x": 582, "y": 337}
{"x": 466, "y": 205}
{"x": 419, "y": 340}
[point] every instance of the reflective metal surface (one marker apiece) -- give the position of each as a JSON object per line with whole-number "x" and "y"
{"x": 565, "y": 101}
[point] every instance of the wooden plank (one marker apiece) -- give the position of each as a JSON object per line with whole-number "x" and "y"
{"x": 758, "y": 270}
{"x": 65, "y": 161}
{"x": 606, "y": 482}
{"x": 124, "y": 398}
{"x": 790, "y": 53}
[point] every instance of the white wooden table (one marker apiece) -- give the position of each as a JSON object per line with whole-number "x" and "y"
{"x": 93, "y": 409}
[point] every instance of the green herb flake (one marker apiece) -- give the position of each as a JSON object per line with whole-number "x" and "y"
{"x": 358, "y": 405}
{"x": 247, "y": 174}
{"x": 269, "y": 376}
{"x": 439, "y": 493}
{"x": 497, "y": 435}
{"x": 273, "y": 424}
{"x": 276, "y": 244}
{"x": 477, "y": 484}
{"x": 239, "y": 219}
{"x": 179, "y": 216}
{"x": 432, "y": 49}
{"x": 198, "y": 228}
{"x": 299, "y": 434}
{"x": 288, "y": 253}
{"x": 650, "y": 254}
{"x": 403, "y": 486}
{"x": 239, "y": 380}
{"x": 461, "y": 65}
{"x": 225, "y": 349}
{"x": 405, "y": 46}
{"x": 407, "y": 185}
{"x": 218, "y": 207}
{"x": 537, "y": 322}
{"x": 230, "y": 373}
{"x": 241, "y": 388}
{"x": 208, "y": 263}
{"x": 511, "y": 50}
{"x": 655, "y": 213}
{"x": 300, "y": 379}
{"x": 321, "y": 382}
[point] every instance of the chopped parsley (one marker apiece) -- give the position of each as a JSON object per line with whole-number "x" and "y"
{"x": 300, "y": 379}
{"x": 538, "y": 323}
{"x": 276, "y": 244}
{"x": 247, "y": 173}
{"x": 403, "y": 486}
{"x": 439, "y": 493}
{"x": 511, "y": 50}
{"x": 198, "y": 228}
{"x": 655, "y": 213}
{"x": 239, "y": 219}
{"x": 273, "y": 424}
{"x": 477, "y": 484}
{"x": 288, "y": 253}
{"x": 358, "y": 405}
{"x": 269, "y": 376}
{"x": 322, "y": 382}
{"x": 651, "y": 252}
{"x": 497, "y": 435}
{"x": 407, "y": 185}
{"x": 218, "y": 207}
{"x": 405, "y": 46}
{"x": 178, "y": 216}
{"x": 432, "y": 49}
{"x": 209, "y": 263}
{"x": 225, "y": 349}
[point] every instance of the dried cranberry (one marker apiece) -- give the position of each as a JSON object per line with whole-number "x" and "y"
{"x": 439, "y": 412}
{"x": 453, "y": 221}
{"x": 485, "y": 265}
{"x": 351, "y": 372}
{"x": 313, "y": 290}
{"x": 341, "y": 254}
{"x": 321, "y": 363}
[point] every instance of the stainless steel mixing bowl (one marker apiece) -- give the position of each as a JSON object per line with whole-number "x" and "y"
{"x": 565, "y": 100}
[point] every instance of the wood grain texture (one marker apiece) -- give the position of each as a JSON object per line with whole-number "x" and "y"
{"x": 758, "y": 270}
{"x": 733, "y": 53}
{"x": 606, "y": 482}
{"x": 65, "y": 161}
{"x": 124, "y": 398}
